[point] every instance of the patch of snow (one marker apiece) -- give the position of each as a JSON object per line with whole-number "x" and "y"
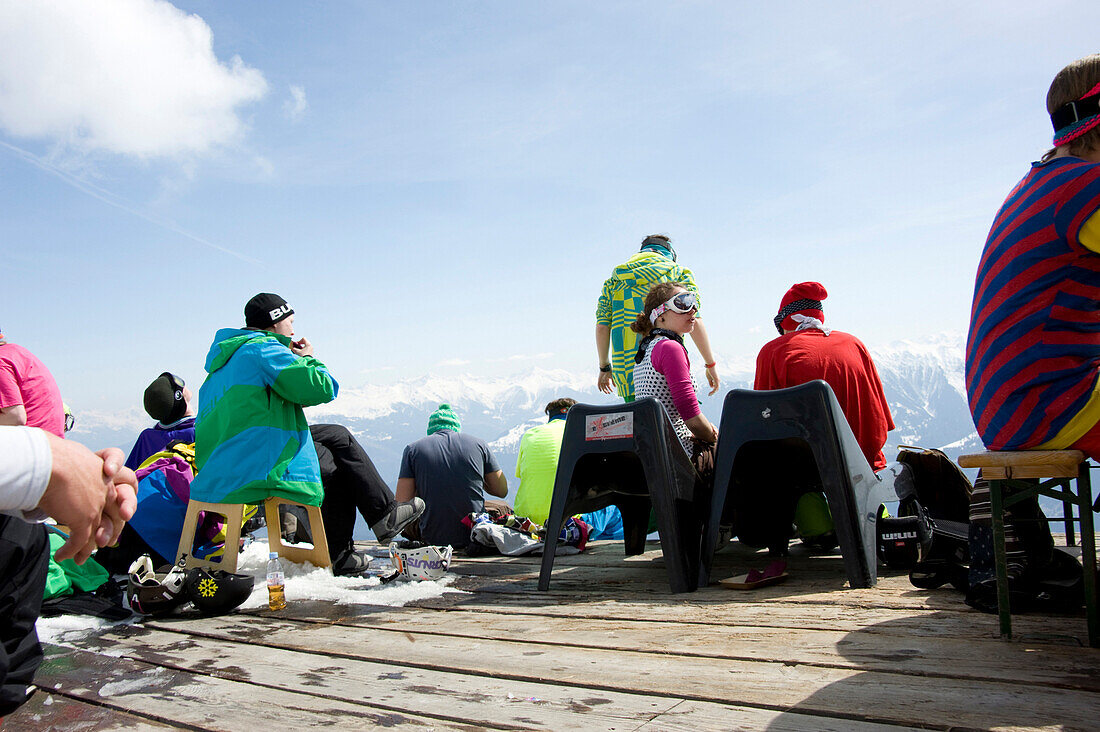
{"x": 303, "y": 582}
{"x": 306, "y": 582}
{"x": 139, "y": 682}
{"x": 66, "y": 630}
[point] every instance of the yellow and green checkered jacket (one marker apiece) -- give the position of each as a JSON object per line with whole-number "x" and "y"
{"x": 623, "y": 297}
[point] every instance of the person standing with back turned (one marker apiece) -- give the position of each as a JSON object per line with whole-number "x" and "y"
{"x": 623, "y": 297}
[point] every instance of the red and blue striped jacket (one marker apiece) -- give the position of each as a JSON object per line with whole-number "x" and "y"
{"x": 1034, "y": 344}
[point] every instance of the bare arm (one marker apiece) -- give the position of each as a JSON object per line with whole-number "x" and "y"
{"x": 603, "y": 351}
{"x": 496, "y": 484}
{"x": 701, "y": 427}
{"x": 702, "y": 342}
{"x": 91, "y": 493}
{"x": 15, "y": 415}
{"x": 406, "y": 490}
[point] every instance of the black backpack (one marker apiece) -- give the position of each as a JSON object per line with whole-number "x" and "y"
{"x": 1041, "y": 576}
{"x": 930, "y": 534}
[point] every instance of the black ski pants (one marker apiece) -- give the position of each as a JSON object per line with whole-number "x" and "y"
{"x": 351, "y": 482}
{"x": 24, "y": 558}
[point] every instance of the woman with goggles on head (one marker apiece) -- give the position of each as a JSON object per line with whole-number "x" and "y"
{"x": 662, "y": 369}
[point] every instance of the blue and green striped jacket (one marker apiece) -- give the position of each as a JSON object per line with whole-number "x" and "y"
{"x": 252, "y": 440}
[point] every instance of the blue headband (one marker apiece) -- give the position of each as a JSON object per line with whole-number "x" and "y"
{"x": 661, "y": 248}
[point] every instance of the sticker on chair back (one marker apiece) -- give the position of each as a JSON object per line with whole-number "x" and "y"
{"x": 609, "y": 426}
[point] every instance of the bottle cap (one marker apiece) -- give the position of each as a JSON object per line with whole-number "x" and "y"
{"x": 273, "y": 555}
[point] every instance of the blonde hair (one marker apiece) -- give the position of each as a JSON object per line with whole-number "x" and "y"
{"x": 1072, "y": 83}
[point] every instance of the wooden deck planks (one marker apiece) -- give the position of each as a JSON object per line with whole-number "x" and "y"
{"x": 1057, "y": 666}
{"x": 54, "y": 711}
{"x": 961, "y": 623}
{"x": 609, "y": 649}
{"x": 689, "y": 716}
{"x": 160, "y": 691}
{"x": 254, "y": 654}
{"x": 899, "y": 698}
{"x": 483, "y": 701}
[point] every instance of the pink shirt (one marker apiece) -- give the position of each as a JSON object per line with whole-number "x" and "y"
{"x": 671, "y": 360}
{"x": 26, "y": 380}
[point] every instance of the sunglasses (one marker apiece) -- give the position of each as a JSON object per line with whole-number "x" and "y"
{"x": 681, "y": 302}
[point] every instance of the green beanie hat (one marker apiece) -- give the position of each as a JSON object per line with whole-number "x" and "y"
{"x": 443, "y": 418}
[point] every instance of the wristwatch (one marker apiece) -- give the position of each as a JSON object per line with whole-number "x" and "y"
{"x": 605, "y": 369}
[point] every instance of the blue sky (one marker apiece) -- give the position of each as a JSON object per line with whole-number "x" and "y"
{"x": 440, "y": 186}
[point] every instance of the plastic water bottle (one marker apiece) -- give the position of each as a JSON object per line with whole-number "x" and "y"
{"x": 276, "y": 600}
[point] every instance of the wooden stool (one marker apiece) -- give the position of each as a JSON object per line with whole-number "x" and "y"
{"x": 317, "y": 555}
{"x": 1061, "y": 467}
{"x": 234, "y": 518}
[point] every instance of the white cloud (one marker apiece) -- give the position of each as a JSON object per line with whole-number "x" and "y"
{"x": 134, "y": 77}
{"x": 295, "y": 107}
{"x": 265, "y": 167}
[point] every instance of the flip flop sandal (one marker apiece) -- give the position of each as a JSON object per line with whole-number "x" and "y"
{"x": 774, "y": 573}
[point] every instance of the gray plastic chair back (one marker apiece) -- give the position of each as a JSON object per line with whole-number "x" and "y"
{"x": 628, "y": 455}
{"x": 810, "y": 413}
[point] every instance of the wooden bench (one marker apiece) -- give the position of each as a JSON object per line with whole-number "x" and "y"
{"x": 234, "y": 517}
{"x": 1060, "y": 469}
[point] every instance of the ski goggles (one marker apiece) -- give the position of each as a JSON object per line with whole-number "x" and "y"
{"x": 681, "y": 302}
{"x": 176, "y": 382}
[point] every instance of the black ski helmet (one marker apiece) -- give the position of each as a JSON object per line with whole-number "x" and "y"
{"x": 155, "y": 593}
{"x": 217, "y": 592}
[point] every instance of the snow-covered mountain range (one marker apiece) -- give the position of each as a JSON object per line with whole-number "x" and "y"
{"x": 923, "y": 383}
{"x": 927, "y": 394}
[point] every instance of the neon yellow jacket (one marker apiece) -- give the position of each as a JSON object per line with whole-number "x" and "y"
{"x": 623, "y": 297}
{"x": 536, "y": 468}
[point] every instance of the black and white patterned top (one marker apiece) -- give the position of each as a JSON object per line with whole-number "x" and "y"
{"x": 648, "y": 381}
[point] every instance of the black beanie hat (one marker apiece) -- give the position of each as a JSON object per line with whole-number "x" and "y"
{"x": 265, "y": 310}
{"x": 164, "y": 400}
